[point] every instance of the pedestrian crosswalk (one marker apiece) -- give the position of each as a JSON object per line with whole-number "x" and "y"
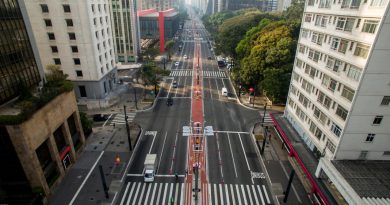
{"x": 153, "y": 193}
{"x": 119, "y": 119}
{"x": 238, "y": 194}
{"x": 205, "y": 73}
{"x": 267, "y": 119}
{"x": 173, "y": 193}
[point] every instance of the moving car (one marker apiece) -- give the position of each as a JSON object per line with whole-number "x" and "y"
{"x": 100, "y": 117}
{"x": 169, "y": 101}
{"x": 185, "y": 56}
{"x": 177, "y": 64}
{"x": 224, "y": 92}
{"x": 174, "y": 84}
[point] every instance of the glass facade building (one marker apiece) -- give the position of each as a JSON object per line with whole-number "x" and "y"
{"x": 17, "y": 63}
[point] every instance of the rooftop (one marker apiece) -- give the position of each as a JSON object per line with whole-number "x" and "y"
{"x": 370, "y": 179}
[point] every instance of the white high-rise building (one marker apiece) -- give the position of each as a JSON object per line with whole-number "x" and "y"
{"x": 76, "y": 35}
{"x": 339, "y": 97}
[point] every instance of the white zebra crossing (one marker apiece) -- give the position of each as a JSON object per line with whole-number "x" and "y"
{"x": 205, "y": 73}
{"x": 119, "y": 119}
{"x": 237, "y": 194}
{"x": 141, "y": 193}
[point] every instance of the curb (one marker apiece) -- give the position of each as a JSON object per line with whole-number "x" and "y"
{"x": 237, "y": 98}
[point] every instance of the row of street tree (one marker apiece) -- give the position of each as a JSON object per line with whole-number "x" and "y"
{"x": 262, "y": 44}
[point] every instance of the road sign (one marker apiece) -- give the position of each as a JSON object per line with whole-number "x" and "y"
{"x": 208, "y": 131}
{"x": 186, "y": 131}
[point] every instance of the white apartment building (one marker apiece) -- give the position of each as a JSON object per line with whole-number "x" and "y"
{"x": 125, "y": 23}
{"x": 339, "y": 97}
{"x": 76, "y": 35}
{"x": 159, "y": 5}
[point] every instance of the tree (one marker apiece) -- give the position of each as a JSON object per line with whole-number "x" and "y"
{"x": 152, "y": 75}
{"x": 168, "y": 47}
{"x": 150, "y": 53}
{"x": 295, "y": 11}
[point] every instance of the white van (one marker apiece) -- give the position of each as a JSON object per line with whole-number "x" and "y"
{"x": 224, "y": 92}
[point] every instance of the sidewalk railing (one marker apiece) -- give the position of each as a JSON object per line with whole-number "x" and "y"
{"x": 293, "y": 153}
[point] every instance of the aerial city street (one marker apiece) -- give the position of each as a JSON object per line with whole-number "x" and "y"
{"x": 194, "y": 102}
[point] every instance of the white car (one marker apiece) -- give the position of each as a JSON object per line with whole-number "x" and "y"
{"x": 177, "y": 64}
{"x": 185, "y": 56}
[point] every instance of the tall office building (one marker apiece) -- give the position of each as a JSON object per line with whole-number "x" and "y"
{"x": 76, "y": 35}
{"x": 125, "y": 23}
{"x": 35, "y": 151}
{"x": 339, "y": 95}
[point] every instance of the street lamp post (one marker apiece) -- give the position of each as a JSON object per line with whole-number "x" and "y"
{"x": 127, "y": 129}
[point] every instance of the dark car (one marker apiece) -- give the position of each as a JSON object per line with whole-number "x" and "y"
{"x": 100, "y": 117}
{"x": 170, "y": 101}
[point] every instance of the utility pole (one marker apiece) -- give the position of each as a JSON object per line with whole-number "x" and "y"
{"x": 105, "y": 188}
{"x": 127, "y": 129}
{"x": 288, "y": 186}
{"x": 135, "y": 97}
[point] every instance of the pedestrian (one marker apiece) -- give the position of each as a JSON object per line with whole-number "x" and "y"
{"x": 177, "y": 177}
{"x": 113, "y": 125}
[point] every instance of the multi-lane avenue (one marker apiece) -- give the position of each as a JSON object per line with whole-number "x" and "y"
{"x": 230, "y": 169}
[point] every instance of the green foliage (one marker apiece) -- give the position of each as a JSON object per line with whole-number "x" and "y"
{"x": 295, "y": 11}
{"x": 168, "y": 47}
{"x": 150, "y": 53}
{"x": 86, "y": 123}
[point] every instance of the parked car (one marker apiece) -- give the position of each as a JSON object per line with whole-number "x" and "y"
{"x": 174, "y": 84}
{"x": 177, "y": 64}
{"x": 169, "y": 101}
{"x": 100, "y": 117}
{"x": 185, "y": 56}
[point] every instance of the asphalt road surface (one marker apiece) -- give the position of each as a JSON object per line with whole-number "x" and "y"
{"x": 234, "y": 172}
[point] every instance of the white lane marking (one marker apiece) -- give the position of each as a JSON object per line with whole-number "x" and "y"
{"x": 170, "y": 191}
{"x": 153, "y": 192}
{"x": 234, "y": 163}
{"x": 124, "y": 194}
{"x": 238, "y": 194}
{"x": 154, "y": 137}
{"x": 254, "y": 194}
{"x": 181, "y": 194}
{"x": 219, "y": 156}
{"x": 159, "y": 193}
{"x": 243, "y": 149}
{"x": 176, "y": 192}
{"x": 174, "y": 151}
{"x": 86, "y": 178}
{"x": 131, "y": 193}
{"x": 266, "y": 194}
{"x": 134, "y": 175}
{"x": 209, "y": 191}
{"x": 136, "y": 194}
{"x": 261, "y": 195}
{"x": 234, "y": 132}
{"x": 249, "y": 194}
{"x": 243, "y": 194}
{"x": 147, "y": 194}
{"x": 227, "y": 194}
{"x": 132, "y": 156}
{"x": 220, "y": 193}
{"x": 162, "y": 151}
{"x": 107, "y": 120}
{"x": 231, "y": 191}
{"x": 165, "y": 194}
{"x": 215, "y": 194}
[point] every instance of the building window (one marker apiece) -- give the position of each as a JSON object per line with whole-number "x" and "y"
{"x": 369, "y": 26}
{"x": 352, "y": 4}
{"x": 353, "y": 73}
{"x": 69, "y": 22}
{"x": 44, "y": 8}
{"x": 386, "y": 153}
{"x": 363, "y": 155}
{"x": 79, "y": 73}
{"x": 93, "y": 8}
{"x": 74, "y": 49}
{"x": 51, "y": 36}
{"x": 348, "y": 93}
{"x": 361, "y": 50}
{"x": 370, "y": 137}
{"x": 310, "y": 2}
{"x": 83, "y": 92}
{"x": 76, "y": 61}
{"x": 336, "y": 129}
{"x": 321, "y": 20}
{"x": 298, "y": 63}
{"x": 57, "y": 61}
{"x": 54, "y": 49}
{"x": 385, "y": 100}
{"x": 317, "y": 38}
{"x": 324, "y": 4}
{"x": 345, "y": 24}
{"x": 48, "y": 23}
{"x": 341, "y": 112}
{"x": 72, "y": 36}
{"x": 378, "y": 2}
{"x": 377, "y": 120}
{"x": 66, "y": 8}
{"x": 330, "y": 146}
{"x": 333, "y": 64}
{"x": 314, "y": 55}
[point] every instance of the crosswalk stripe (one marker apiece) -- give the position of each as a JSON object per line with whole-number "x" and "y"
{"x": 249, "y": 194}
{"x": 231, "y": 191}
{"x": 181, "y": 194}
{"x": 142, "y": 192}
{"x": 177, "y": 189}
{"x": 238, "y": 194}
{"x": 159, "y": 193}
{"x": 165, "y": 193}
{"x": 255, "y": 194}
{"x": 209, "y": 191}
{"x": 266, "y": 194}
{"x": 220, "y": 193}
{"x": 261, "y": 195}
{"x": 136, "y": 194}
{"x": 170, "y": 191}
{"x": 124, "y": 194}
{"x": 153, "y": 192}
{"x": 147, "y": 194}
{"x": 243, "y": 194}
{"x": 227, "y": 194}
{"x": 215, "y": 194}
{"x": 131, "y": 192}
